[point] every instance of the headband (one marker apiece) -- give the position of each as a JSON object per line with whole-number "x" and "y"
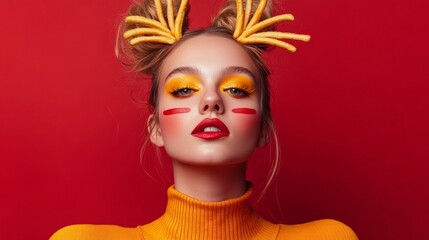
{"x": 247, "y": 28}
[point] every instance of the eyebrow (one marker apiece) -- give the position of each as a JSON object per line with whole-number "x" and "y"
{"x": 226, "y": 71}
{"x": 237, "y": 69}
{"x": 183, "y": 70}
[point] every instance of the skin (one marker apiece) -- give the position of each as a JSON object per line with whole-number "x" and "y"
{"x": 210, "y": 75}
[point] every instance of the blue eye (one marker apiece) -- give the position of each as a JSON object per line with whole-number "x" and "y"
{"x": 236, "y": 92}
{"x": 183, "y": 92}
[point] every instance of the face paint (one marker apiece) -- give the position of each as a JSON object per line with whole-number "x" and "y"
{"x": 176, "y": 111}
{"x": 182, "y": 86}
{"x": 212, "y": 70}
{"x": 237, "y": 85}
{"x": 244, "y": 110}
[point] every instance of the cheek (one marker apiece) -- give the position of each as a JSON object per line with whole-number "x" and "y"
{"x": 173, "y": 121}
{"x": 169, "y": 126}
{"x": 248, "y": 126}
{"x": 246, "y": 118}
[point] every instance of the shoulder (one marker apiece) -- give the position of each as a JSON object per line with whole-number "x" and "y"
{"x": 95, "y": 232}
{"x": 326, "y": 229}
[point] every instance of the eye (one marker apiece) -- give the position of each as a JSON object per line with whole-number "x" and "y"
{"x": 237, "y": 85}
{"x": 183, "y": 86}
{"x": 183, "y": 92}
{"x": 237, "y": 92}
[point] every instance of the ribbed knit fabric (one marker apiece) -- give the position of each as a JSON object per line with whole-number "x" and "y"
{"x": 191, "y": 219}
{"x": 186, "y": 218}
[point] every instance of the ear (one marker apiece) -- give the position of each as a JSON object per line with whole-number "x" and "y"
{"x": 264, "y": 137}
{"x": 154, "y": 131}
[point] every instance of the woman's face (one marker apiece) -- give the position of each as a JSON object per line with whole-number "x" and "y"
{"x": 209, "y": 103}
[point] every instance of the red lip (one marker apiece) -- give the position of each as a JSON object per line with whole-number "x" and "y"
{"x": 210, "y": 122}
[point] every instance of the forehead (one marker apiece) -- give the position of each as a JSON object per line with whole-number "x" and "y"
{"x": 209, "y": 54}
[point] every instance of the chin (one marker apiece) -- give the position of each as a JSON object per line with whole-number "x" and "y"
{"x": 217, "y": 153}
{"x": 212, "y": 158}
{"x": 212, "y": 162}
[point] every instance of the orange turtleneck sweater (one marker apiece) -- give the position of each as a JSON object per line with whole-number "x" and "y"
{"x": 190, "y": 219}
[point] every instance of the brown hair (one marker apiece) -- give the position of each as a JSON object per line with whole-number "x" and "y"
{"x": 147, "y": 58}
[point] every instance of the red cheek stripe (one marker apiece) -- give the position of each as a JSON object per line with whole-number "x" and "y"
{"x": 176, "y": 111}
{"x": 244, "y": 110}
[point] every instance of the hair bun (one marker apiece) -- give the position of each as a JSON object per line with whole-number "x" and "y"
{"x": 228, "y": 14}
{"x": 144, "y": 56}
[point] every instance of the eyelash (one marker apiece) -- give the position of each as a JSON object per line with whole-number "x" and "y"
{"x": 243, "y": 91}
{"x": 180, "y": 91}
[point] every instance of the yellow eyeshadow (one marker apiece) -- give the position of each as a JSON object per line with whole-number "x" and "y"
{"x": 238, "y": 81}
{"x": 182, "y": 82}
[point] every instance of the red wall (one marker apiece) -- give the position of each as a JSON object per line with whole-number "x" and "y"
{"x": 351, "y": 109}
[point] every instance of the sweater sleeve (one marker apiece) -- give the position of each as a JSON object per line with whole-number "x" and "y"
{"x": 326, "y": 229}
{"x": 95, "y": 232}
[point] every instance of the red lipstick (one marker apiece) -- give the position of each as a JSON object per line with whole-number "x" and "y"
{"x": 210, "y": 129}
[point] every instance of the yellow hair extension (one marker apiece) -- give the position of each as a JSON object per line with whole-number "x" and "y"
{"x": 248, "y": 32}
{"x": 247, "y": 14}
{"x": 269, "y": 41}
{"x": 145, "y": 22}
{"x": 258, "y": 13}
{"x": 158, "y": 6}
{"x": 266, "y": 23}
{"x": 239, "y": 19}
{"x": 146, "y": 31}
{"x": 283, "y": 35}
{"x": 247, "y": 27}
{"x": 179, "y": 19}
{"x": 170, "y": 15}
{"x": 158, "y": 31}
{"x": 159, "y": 39}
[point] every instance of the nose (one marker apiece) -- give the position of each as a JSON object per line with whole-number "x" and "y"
{"x": 211, "y": 102}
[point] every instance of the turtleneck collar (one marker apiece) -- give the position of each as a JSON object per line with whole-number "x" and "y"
{"x": 189, "y": 218}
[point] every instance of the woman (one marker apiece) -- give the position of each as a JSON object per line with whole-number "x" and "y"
{"x": 211, "y": 110}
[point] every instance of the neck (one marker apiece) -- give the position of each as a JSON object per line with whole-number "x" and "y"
{"x": 210, "y": 183}
{"x": 189, "y": 218}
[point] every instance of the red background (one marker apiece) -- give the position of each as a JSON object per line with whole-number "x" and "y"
{"x": 351, "y": 109}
